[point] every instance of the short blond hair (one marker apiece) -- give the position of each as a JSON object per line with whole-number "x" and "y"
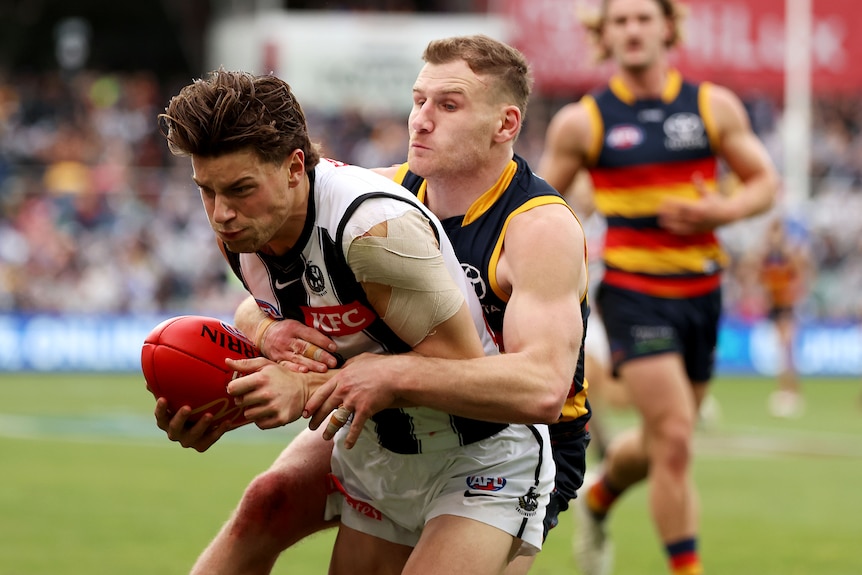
{"x": 594, "y": 22}
{"x": 505, "y": 65}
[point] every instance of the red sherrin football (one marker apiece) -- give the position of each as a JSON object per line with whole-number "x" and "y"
{"x": 183, "y": 361}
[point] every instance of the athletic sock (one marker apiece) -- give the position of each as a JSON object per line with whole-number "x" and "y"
{"x": 601, "y": 496}
{"x": 684, "y": 559}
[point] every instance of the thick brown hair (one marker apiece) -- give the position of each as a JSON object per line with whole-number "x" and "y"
{"x": 232, "y": 111}
{"x": 595, "y": 23}
{"x": 487, "y": 57}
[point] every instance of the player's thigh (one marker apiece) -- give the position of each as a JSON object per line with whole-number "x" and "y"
{"x": 520, "y": 565}
{"x": 659, "y": 388}
{"x": 451, "y": 544}
{"x": 307, "y": 455}
{"x": 357, "y": 552}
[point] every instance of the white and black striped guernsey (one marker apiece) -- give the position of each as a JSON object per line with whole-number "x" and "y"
{"x": 313, "y": 283}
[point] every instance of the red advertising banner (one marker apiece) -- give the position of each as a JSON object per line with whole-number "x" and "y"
{"x": 737, "y": 43}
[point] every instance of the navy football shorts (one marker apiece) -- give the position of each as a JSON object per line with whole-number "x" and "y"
{"x": 641, "y": 325}
{"x": 569, "y": 441}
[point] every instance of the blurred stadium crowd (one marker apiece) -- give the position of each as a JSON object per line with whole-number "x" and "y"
{"x": 96, "y": 216}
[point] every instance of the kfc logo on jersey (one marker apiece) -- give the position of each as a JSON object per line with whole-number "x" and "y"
{"x": 684, "y": 131}
{"x": 339, "y": 319}
{"x": 624, "y": 136}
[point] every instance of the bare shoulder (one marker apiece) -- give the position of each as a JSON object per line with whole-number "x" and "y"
{"x": 743, "y": 151}
{"x": 545, "y": 241}
{"x": 546, "y": 227}
{"x": 569, "y": 140}
{"x": 727, "y": 109}
{"x": 573, "y": 120}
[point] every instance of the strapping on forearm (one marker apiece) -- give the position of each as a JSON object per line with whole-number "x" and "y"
{"x": 260, "y": 333}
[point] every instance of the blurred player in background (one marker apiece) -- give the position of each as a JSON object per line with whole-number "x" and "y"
{"x": 651, "y": 142}
{"x": 783, "y": 267}
{"x": 352, "y": 253}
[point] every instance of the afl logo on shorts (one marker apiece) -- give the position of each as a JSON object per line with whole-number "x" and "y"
{"x": 480, "y": 483}
{"x": 624, "y": 136}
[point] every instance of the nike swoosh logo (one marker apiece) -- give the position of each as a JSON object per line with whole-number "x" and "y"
{"x": 280, "y": 285}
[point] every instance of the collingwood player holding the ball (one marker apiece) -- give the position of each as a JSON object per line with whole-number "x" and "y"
{"x": 330, "y": 245}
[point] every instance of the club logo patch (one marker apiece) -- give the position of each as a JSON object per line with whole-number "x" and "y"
{"x": 684, "y": 131}
{"x": 528, "y": 503}
{"x": 314, "y": 278}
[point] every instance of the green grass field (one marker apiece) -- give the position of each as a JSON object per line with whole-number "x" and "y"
{"x": 90, "y": 485}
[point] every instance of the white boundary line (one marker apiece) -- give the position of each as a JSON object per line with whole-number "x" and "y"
{"x": 125, "y": 429}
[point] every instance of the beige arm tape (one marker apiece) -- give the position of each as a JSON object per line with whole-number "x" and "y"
{"x": 260, "y": 333}
{"x": 408, "y": 260}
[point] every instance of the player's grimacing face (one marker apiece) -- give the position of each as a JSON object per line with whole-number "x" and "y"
{"x": 452, "y": 120}
{"x": 248, "y": 201}
{"x": 635, "y": 32}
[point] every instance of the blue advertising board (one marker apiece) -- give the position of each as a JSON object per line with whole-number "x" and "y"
{"x": 819, "y": 348}
{"x": 85, "y": 343}
{"x": 74, "y": 342}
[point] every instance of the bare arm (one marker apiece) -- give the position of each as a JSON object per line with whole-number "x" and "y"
{"x": 543, "y": 267}
{"x": 579, "y": 195}
{"x": 274, "y": 394}
{"x": 410, "y": 285}
{"x": 745, "y": 155}
{"x": 567, "y": 142}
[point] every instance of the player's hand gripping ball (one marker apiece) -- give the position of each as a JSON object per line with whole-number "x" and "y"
{"x": 183, "y": 361}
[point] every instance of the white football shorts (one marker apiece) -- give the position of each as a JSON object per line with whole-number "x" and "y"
{"x": 504, "y": 481}
{"x": 596, "y": 343}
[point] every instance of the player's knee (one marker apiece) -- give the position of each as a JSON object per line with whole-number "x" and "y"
{"x": 267, "y": 507}
{"x": 281, "y": 507}
{"x": 673, "y": 445}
